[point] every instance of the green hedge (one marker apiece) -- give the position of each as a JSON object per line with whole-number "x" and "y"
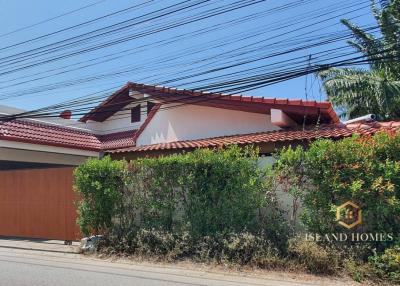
{"x": 99, "y": 183}
{"x": 201, "y": 193}
{"x": 364, "y": 170}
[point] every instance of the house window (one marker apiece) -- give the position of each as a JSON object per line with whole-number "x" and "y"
{"x": 135, "y": 114}
{"x": 150, "y": 106}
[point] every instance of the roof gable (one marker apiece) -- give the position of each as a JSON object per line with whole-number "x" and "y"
{"x": 298, "y": 110}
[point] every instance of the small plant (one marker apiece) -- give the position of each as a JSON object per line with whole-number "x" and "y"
{"x": 388, "y": 263}
{"x": 161, "y": 244}
{"x": 316, "y": 258}
{"x": 249, "y": 249}
{"x": 359, "y": 270}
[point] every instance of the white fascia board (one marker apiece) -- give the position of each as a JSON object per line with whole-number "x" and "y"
{"x": 281, "y": 119}
{"x": 47, "y": 148}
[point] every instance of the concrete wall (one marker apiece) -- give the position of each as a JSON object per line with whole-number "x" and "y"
{"x": 285, "y": 200}
{"x": 190, "y": 122}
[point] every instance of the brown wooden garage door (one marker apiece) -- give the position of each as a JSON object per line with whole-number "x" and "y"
{"x": 38, "y": 203}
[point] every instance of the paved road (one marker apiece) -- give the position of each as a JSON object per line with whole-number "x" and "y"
{"x": 20, "y": 267}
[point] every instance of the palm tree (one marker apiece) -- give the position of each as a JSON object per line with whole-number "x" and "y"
{"x": 377, "y": 89}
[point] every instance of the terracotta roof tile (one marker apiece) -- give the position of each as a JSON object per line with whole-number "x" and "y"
{"x": 45, "y": 134}
{"x": 117, "y": 140}
{"x": 325, "y": 131}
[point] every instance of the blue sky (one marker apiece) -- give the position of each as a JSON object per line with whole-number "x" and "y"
{"x": 118, "y": 64}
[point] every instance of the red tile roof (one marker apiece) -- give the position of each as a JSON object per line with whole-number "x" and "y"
{"x": 118, "y": 140}
{"x": 46, "y": 134}
{"x": 334, "y": 131}
{"x": 294, "y": 108}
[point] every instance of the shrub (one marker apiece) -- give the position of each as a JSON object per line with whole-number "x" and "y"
{"x": 203, "y": 192}
{"x": 206, "y": 191}
{"x": 365, "y": 170}
{"x": 316, "y": 258}
{"x": 100, "y": 184}
{"x": 211, "y": 205}
{"x": 249, "y": 249}
{"x": 242, "y": 248}
{"x": 290, "y": 173}
{"x": 388, "y": 263}
{"x": 359, "y": 270}
{"x": 161, "y": 244}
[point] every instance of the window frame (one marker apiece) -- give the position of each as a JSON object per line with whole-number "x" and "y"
{"x": 136, "y": 114}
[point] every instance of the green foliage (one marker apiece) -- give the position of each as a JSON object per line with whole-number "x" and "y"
{"x": 218, "y": 206}
{"x": 364, "y": 170}
{"x": 378, "y": 268}
{"x": 360, "y": 271}
{"x": 99, "y": 184}
{"x": 388, "y": 263}
{"x": 376, "y": 90}
{"x": 201, "y": 193}
{"x": 289, "y": 170}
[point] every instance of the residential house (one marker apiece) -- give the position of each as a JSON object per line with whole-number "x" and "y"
{"x": 37, "y": 155}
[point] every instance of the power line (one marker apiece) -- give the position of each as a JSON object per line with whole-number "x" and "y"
{"x": 51, "y": 19}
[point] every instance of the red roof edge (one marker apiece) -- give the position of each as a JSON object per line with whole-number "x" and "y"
{"x": 92, "y": 112}
{"x": 325, "y": 106}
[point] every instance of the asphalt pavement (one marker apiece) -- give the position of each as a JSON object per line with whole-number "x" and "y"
{"x": 45, "y": 263}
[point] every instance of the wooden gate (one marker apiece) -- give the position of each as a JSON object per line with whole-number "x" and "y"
{"x": 38, "y": 203}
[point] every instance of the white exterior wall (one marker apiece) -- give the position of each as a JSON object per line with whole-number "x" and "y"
{"x": 120, "y": 121}
{"x": 285, "y": 200}
{"x": 190, "y": 122}
{"x": 35, "y": 153}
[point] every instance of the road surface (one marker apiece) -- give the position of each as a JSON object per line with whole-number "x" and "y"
{"x": 21, "y": 266}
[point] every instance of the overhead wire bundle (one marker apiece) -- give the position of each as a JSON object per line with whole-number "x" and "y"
{"x": 238, "y": 62}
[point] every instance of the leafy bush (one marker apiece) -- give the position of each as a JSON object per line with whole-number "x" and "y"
{"x": 201, "y": 193}
{"x": 359, "y": 270}
{"x": 388, "y": 263}
{"x": 100, "y": 184}
{"x": 290, "y": 173}
{"x": 365, "y": 170}
{"x": 206, "y": 191}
